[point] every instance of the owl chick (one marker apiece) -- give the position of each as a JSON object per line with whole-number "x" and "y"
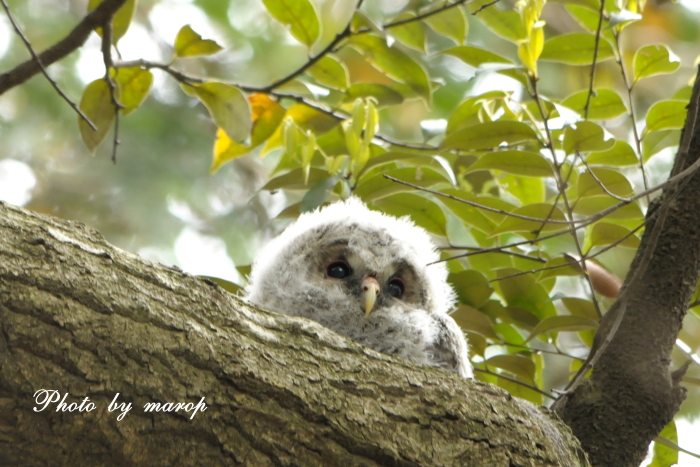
{"x": 364, "y": 275}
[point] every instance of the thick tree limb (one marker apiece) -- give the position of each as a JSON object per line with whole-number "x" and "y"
{"x": 74, "y": 40}
{"x": 80, "y": 316}
{"x": 632, "y": 393}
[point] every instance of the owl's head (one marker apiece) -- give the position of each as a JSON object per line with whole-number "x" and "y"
{"x": 345, "y": 258}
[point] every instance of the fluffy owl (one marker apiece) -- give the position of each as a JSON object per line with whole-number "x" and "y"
{"x": 364, "y": 275}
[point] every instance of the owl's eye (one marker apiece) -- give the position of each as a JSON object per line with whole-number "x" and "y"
{"x": 396, "y": 287}
{"x": 338, "y": 269}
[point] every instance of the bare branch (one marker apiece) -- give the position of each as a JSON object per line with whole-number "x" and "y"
{"x": 74, "y": 40}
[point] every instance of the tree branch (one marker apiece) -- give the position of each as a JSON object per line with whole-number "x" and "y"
{"x": 73, "y": 41}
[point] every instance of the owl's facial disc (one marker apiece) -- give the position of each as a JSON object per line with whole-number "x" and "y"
{"x": 370, "y": 290}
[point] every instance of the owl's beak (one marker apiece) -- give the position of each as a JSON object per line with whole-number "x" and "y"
{"x": 370, "y": 290}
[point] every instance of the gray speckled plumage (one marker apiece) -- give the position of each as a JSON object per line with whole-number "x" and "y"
{"x": 291, "y": 276}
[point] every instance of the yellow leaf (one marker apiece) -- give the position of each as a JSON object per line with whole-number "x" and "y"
{"x": 120, "y": 21}
{"x": 97, "y": 105}
{"x": 189, "y": 44}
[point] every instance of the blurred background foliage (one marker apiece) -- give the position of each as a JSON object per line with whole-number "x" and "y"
{"x": 161, "y": 201}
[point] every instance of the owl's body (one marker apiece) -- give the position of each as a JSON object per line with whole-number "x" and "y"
{"x": 363, "y": 274}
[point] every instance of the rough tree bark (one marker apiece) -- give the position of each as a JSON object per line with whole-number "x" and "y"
{"x": 80, "y": 316}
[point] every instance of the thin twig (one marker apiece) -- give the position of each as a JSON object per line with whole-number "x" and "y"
{"x": 595, "y": 59}
{"x": 484, "y": 6}
{"x": 74, "y": 40}
{"x": 107, "y": 57}
{"x": 41, "y": 67}
{"x": 516, "y": 381}
{"x": 509, "y": 253}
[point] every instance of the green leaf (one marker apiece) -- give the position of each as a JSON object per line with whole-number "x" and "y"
{"x": 613, "y": 181}
{"x": 267, "y": 115}
{"x": 411, "y": 34}
{"x": 422, "y": 211}
{"x": 655, "y": 141}
{"x": 525, "y": 292}
{"x": 389, "y": 158}
{"x": 530, "y": 164}
{"x": 620, "y": 154}
{"x": 665, "y": 456}
{"x": 318, "y": 194}
{"x": 451, "y": 23}
{"x": 593, "y": 5}
{"x": 467, "y": 114}
{"x": 575, "y": 49}
{"x": 472, "y": 287}
{"x": 474, "y": 320}
{"x": 654, "y": 60}
{"x": 537, "y": 211}
{"x": 516, "y": 364}
{"x": 604, "y": 104}
{"x": 294, "y": 179}
{"x": 580, "y": 307}
{"x": 529, "y": 190}
{"x": 562, "y": 324}
{"x": 377, "y": 187}
{"x": 396, "y": 64}
{"x": 227, "y": 106}
{"x": 595, "y": 204}
{"x": 330, "y": 72}
{"x": 121, "y": 20}
{"x": 311, "y": 119}
{"x": 506, "y": 24}
{"x": 190, "y": 44}
{"x": 383, "y": 94}
{"x": 564, "y": 268}
{"x": 472, "y": 215}
{"x": 666, "y": 115}
{"x": 134, "y": 85}
{"x": 603, "y": 234}
{"x": 474, "y": 56}
{"x": 489, "y": 135}
{"x": 97, "y": 106}
{"x": 297, "y": 15}
{"x": 586, "y": 137}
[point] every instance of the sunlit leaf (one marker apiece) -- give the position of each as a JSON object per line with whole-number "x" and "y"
{"x": 576, "y": 49}
{"x": 580, "y": 307}
{"x": 227, "y": 106}
{"x": 267, "y": 114}
{"x": 471, "y": 319}
{"x": 612, "y": 180}
{"x": 312, "y": 119}
{"x": 411, "y": 34}
{"x": 471, "y": 286}
{"x": 516, "y": 364}
{"x": 228, "y": 286}
{"x": 665, "y": 456}
{"x": 383, "y": 94}
{"x": 474, "y": 56}
{"x": 525, "y": 163}
{"x": 562, "y": 324}
{"x": 395, "y": 63}
{"x": 506, "y": 24}
{"x": 120, "y": 21}
{"x": 297, "y": 15}
{"x": 656, "y": 141}
{"x": 295, "y": 180}
{"x": 489, "y": 135}
{"x": 593, "y": 5}
{"x": 595, "y": 204}
{"x": 330, "y": 71}
{"x": 97, "y": 106}
{"x": 134, "y": 85}
{"x": 666, "y": 115}
{"x": 451, "y": 23}
{"x": 529, "y": 190}
{"x": 654, "y": 60}
{"x": 604, "y": 104}
{"x": 603, "y": 234}
{"x": 189, "y": 44}
{"x": 376, "y": 187}
{"x": 536, "y": 211}
{"x": 620, "y": 154}
{"x": 422, "y": 211}
{"x": 586, "y": 137}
